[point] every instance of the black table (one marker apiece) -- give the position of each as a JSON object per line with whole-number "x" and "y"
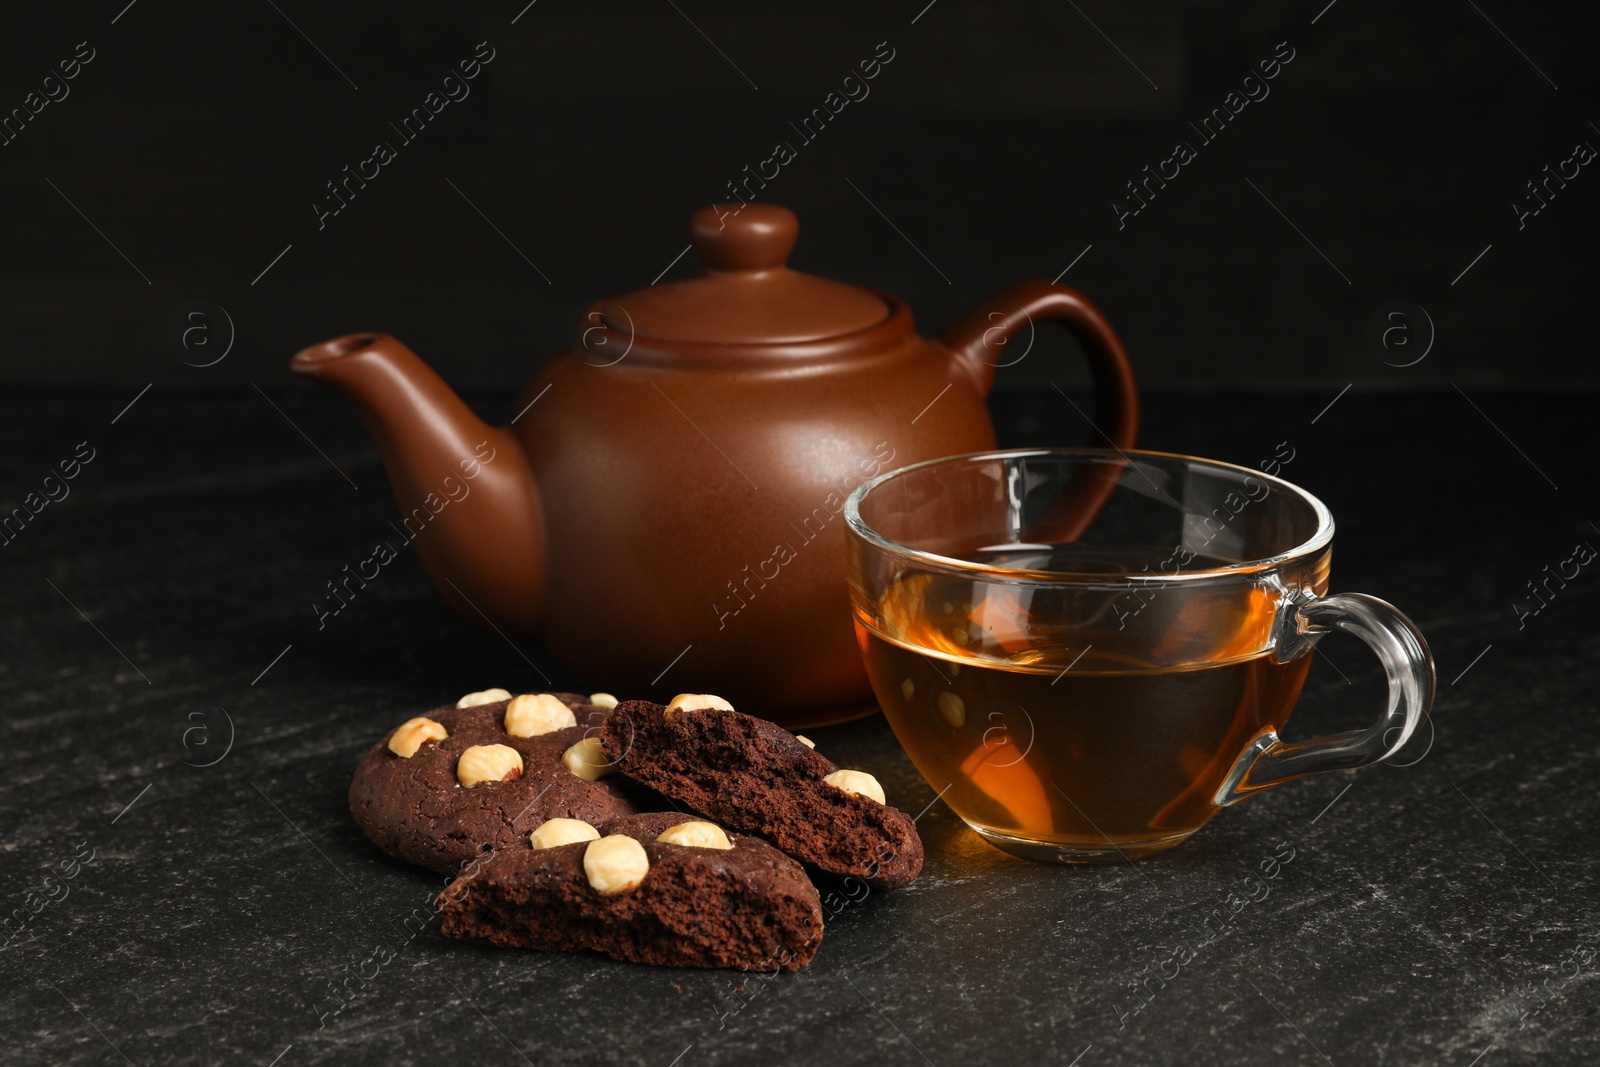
{"x": 162, "y": 910}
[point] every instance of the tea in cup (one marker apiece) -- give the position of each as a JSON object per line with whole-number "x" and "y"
{"x": 1090, "y": 653}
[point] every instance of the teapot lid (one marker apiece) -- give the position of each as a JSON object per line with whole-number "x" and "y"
{"x": 747, "y": 293}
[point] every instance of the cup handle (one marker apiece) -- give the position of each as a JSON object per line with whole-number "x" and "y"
{"x": 979, "y": 341}
{"x": 1408, "y": 664}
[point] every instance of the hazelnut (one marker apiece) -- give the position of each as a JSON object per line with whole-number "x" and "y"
{"x": 488, "y": 763}
{"x": 858, "y": 782}
{"x": 952, "y": 709}
{"x": 615, "y": 864}
{"x": 405, "y": 741}
{"x": 804, "y": 740}
{"x": 602, "y": 700}
{"x": 532, "y": 714}
{"x": 908, "y": 689}
{"x": 553, "y": 832}
{"x": 488, "y": 696}
{"x": 696, "y": 835}
{"x": 696, "y": 702}
{"x": 587, "y": 760}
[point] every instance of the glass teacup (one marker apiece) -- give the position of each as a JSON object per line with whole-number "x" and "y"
{"x": 1090, "y": 653}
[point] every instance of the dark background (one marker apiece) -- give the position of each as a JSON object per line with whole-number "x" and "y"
{"x": 199, "y": 136}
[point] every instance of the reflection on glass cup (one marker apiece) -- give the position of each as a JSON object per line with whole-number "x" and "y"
{"x": 1095, "y": 650}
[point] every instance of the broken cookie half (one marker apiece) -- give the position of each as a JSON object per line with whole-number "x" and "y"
{"x": 662, "y": 888}
{"x": 754, "y": 776}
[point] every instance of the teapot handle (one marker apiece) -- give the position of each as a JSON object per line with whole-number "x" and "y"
{"x": 979, "y": 341}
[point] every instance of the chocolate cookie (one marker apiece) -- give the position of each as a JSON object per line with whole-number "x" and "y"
{"x": 754, "y": 776}
{"x": 632, "y": 891}
{"x": 409, "y": 793}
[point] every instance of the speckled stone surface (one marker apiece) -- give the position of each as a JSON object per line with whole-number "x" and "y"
{"x": 178, "y": 902}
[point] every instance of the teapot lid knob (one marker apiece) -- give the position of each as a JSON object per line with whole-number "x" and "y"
{"x": 749, "y": 236}
{"x": 747, "y": 295}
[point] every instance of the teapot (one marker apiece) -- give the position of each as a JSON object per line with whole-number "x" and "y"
{"x": 662, "y": 513}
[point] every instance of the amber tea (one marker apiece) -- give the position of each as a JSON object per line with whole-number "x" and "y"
{"x": 1088, "y": 653}
{"x": 1047, "y": 718}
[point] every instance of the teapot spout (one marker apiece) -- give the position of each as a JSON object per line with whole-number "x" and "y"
{"x": 466, "y": 494}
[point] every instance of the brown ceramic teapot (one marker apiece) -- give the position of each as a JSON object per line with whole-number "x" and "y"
{"x": 662, "y": 514}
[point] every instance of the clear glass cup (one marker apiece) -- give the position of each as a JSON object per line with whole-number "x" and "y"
{"x": 1089, "y": 653}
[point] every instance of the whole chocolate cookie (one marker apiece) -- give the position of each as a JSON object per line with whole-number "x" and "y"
{"x": 715, "y": 900}
{"x": 755, "y": 776}
{"x": 416, "y": 808}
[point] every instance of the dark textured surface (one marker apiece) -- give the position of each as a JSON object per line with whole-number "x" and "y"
{"x": 1430, "y": 914}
